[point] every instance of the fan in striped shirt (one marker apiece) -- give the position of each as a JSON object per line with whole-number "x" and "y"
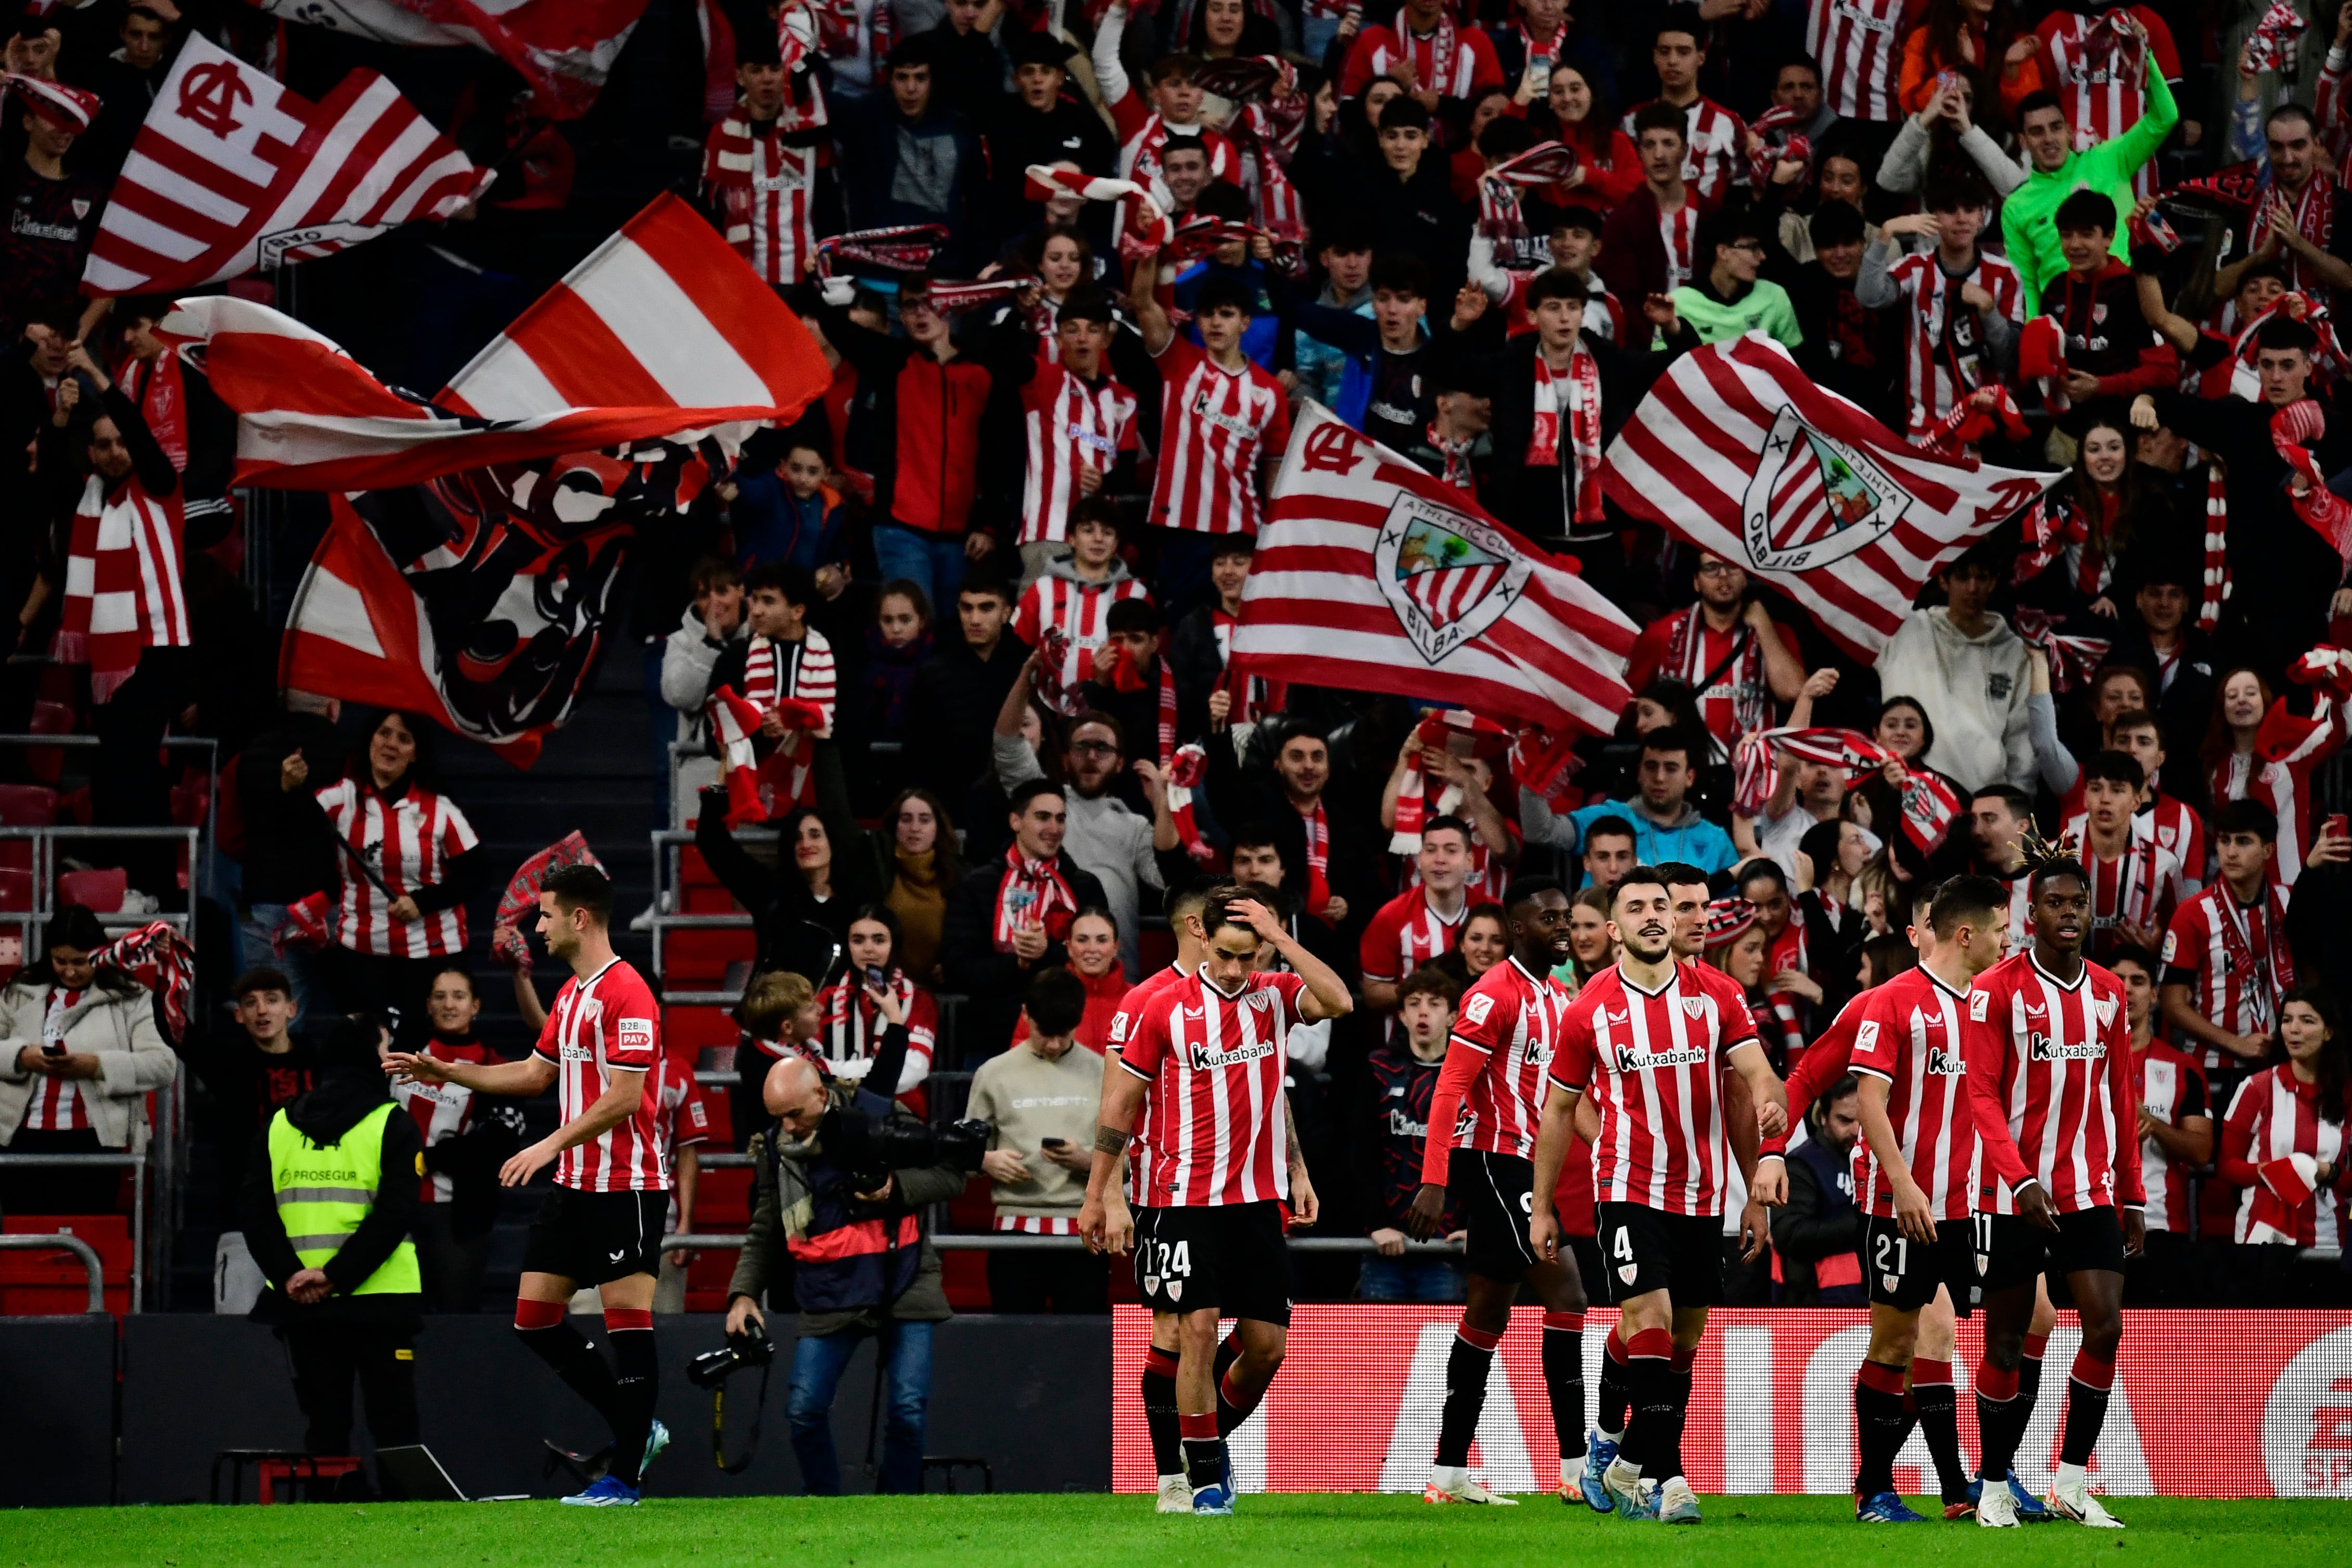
{"x": 784, "y": 660}
{"x": 1077, "y": 422}
{"x": 2226, "y": 961}
{"x": 1714, "y": 158}
{"x": 1223, "y": 419}
{"x": 2135, "y": 881}
{"x": 760, "y": 163}
{"x": 1074, "y": 592}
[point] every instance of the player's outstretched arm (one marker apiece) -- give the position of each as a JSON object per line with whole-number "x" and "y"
{"x": 534, "y": 1074}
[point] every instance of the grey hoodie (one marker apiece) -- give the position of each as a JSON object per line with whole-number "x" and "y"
{"x": 1975, "y": 691}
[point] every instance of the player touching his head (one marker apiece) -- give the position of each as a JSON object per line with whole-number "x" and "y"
{"x": 1212, "y": 1050}
{"x": 1482, "y": 1130}
{"x": 1916, "y": 1190}
{"x": 2048, "y": 1045}
{"x": 602, "y": 1226}
{"x": 1649, "y": 1039}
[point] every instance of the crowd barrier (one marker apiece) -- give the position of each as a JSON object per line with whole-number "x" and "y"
{"x": 1356, "y": 1405}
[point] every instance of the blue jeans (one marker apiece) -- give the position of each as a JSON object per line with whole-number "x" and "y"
{"x": 253, "y": 952}
{"x": 1409, "y": 1280}
{"x": 934, "y": 563}
{"x": 905, "y": 1354}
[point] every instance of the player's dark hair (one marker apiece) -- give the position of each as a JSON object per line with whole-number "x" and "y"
{"x": 1190, "y": 897}
{"x": 2057, "y": 865}
{"x": 1556, "y": 283}
{"x": 1056, "y": 1002}
{"x": 1219, "y": 912}
{"x": 2116, "y": 768}
{"x": 1965, "y": 899}
{"x": 582, "y": 887}
{"x": 1528, "y": 889}
{"x": 1611, "y": 826}
{"x": 2087, "y": 212}
{"x": 1641, "y": 876}
{"x": 2246, "y": 816}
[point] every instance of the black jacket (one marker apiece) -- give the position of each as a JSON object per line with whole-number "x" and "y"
{"x": 286, "y": 857}
{"x": 792, "y": 930}
{"x": 995, "y": 982}
{"x": 1818, "y": 1221}
{"x": 1417, "y": 215}
{"x": 953, "y": 708}
{"x": 323, "y": 1116}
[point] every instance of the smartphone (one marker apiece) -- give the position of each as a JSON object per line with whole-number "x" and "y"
{"x": 875, "y": 977}
{"x": 1054, "y": 1142}
{"x": 2336, "y": 826}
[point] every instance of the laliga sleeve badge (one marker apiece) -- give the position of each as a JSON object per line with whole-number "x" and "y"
{"x": 1980, "y": 1006}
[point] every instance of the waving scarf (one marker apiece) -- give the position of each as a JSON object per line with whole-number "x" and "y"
{"x": 2071, "y": 659}
{"x": 902, "y": 247}
{"x": 1580, "y": 388}
{"x": 162, "y": 962}
{"x": 1033, "y": 892}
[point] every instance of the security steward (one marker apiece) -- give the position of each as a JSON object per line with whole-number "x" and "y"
{"x": 328, "y": 1204}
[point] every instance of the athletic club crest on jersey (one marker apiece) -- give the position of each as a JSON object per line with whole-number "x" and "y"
{"x": 1813, "y": 499}
{"x": 1694, "y": 1007}
{"x": 1448, "y": 575}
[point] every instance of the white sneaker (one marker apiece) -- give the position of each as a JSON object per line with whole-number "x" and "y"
{"x": 2077, "y": 1506}
{"x": 1996, "y": 1509}
{"x": 1623, "y": 1482}
{"x": 1452, "y": 1483}
{"x": 1175, "y": 1495}
{"x": 1677, "y": 1504}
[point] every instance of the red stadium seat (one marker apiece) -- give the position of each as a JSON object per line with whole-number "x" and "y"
{"x": 100, "y": 890}
{"x": 44, "y": 1283}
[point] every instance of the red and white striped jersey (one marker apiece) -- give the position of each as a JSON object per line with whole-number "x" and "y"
{"x": 1404, "y": 934}
{"x": 55, "y": 1106}
{"x": 1678, "y": 232}
{"x": 1081, "y": 611}
{"x": 762, "y": 188}
{"x": 1454, "y": 59}
{"x": 1944, "y": 354}
{"x": 1650, "y": 1062}
{"x": 1911, "y": 1038}
{"x": 1725, "y": 670}
{"x": 2272, "y": 1117}
{"x": 2021, "y": 909}
{"x": 2139, "y": 887}
{"x": 1140, "y": 149}
{"x": 1215, "y": 1064}
{"x": 680, "y": 1117}
{"x": 2049, "y": 1075}
{"x": 2284, "y": 788}
{"x": 1511, "y": 1018}
{"x": 1824, "y": 1063}
{"x": 1216, "y": 426}
{"x": 604, "y": 1024}
{"x": 1859, "y": 47}
{"x": 2172, "y": 1086}
{"x": 1716, "y": 159}
{"x": 2241, "y": 998}
{"x": 410, "y": 842}
{"x": 850, "y": 1028}
{"x": 1123, "y": 1025}
{"x": 442, "y": 1110}
{"x": 2080, "y": 62}
{"x": 1070, "y": 424}
{"x": 803, "y": 671}
{"x": 2164, "y": 821}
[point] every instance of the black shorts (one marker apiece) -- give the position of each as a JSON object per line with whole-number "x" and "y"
{"x": 2011, "y": 1252}
{"x": 1644, "y": 1250}
{"x": 595, "y": 1237}
{"x": 1229, "y": 1256}
{"x": 1904, "y": 1273}
{"x": 1495, "y": 1195}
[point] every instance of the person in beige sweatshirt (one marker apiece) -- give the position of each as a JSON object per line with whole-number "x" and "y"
{"x": 1041, "y": 1097}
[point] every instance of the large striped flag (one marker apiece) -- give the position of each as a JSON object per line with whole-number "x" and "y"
{"x": 662, "y": 331}
{"x": 563, "y": 49}
{"x": 1374, "y": 575}
{"x": 1735, "y": 451}
{"x": 230, "y": 172}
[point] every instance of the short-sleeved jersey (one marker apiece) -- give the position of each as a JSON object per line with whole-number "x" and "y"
{"x": 1716, "y": 140}
{"x": 606, "y": 1023}
{"x": 1859, "y": 44}
{"x": 442, "y": 1110}
{"x": 680, "y": 1117}
{"x": 761, "y": 185}
{"x": 1123, "y": 1025}
{"x": 1511, "y": 1018}
{"x": 2049, "y": 1074}
{"x": 1216, "y": 426}
{"x": 1651, "y": 1061}
{"x": 1404, "y": 934}
{"x": 1945, "y": 351}
{"x": 1215, "y": 1063}
{"x": 1070, "y": 424}
{"x": 2241, "y": 998}
{"x": 2171, "y": 1085}
{"x": 1912, "y": 1039}
{"x": 410, "y": 842}
{"x": 1080, "y": 610}
{"x": 1824, "y": 1063}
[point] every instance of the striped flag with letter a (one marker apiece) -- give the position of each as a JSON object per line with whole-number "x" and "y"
{"x": 1374, "y": 574}
{"x": 1735, "y": 451}
{"x": 231, "y": 172}
{"x": 662, "y": 331}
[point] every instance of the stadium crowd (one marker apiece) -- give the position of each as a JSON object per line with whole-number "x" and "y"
{"x": 981, "y": 595}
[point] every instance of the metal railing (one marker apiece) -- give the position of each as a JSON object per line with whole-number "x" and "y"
{"x": 61, "y": 1242}
{"x": 113, "y": 1159}
{"x": 45, "y": 841}
{"x": 204, "y": 742}
{"x": 1022, "y": 1241}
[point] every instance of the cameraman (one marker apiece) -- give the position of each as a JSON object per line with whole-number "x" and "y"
{"x": 831, "y": 1194}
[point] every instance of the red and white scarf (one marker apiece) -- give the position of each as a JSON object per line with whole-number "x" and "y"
{"x": 2274, "y": 1214}
{"x": 1751, "y": 699}
{"x": 902, "y": 247}
{"x": 2272, "y": 976}
{"x": 1579, "y": 389}
{"x": 122, "y": 583}
{"x": 1033, "y": 892}
{"x": 1253, "y": 697}
{"x": 760, "y": 787}
{"x": 2328, "y": 514}
{"x": 1545, "y": 163}
{"x": 160, "y": 391}
{"x": 1181, "y": 768}
{"x": 788, "y": 773}
{"x": 1317, "y": 825}
{"x": 2274, "y": 44}
{"x": 849, "y": 1024}
{"x": 1971, "y": 419}
{"x": 1455, "y": 454}
{"x": 1443, "y": 42}
{"x": 2071, "y": 659}
{"x": 1793, "y": 149}
{"x": 159, "y": 959}
{"x": 1756, "y": 766}
{"x": 1413, "y": 805}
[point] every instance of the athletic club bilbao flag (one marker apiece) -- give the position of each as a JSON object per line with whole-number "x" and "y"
{"x": 231, "y": 172}
{"x": 1374, "y": 575}
{"x": 1735, "y": 451}
{"x": 662, "y": 332}
{"x": 563, "y": 49}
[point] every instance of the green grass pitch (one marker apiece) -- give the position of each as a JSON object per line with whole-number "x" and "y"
{"x": 1084, "y": 1530}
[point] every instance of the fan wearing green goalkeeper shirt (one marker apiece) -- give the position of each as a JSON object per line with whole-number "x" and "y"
{"x": 2055, "y": 171}
{"x": 1726, "y": 299}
